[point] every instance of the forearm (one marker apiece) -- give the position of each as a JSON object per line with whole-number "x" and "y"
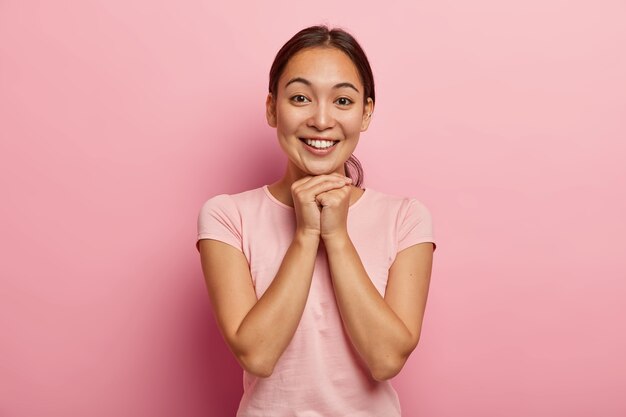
{"x": 267, "y": 329}
{"x": 378, "y": 334}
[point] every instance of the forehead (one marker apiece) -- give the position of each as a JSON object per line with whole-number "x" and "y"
{"x": 321, "y": 66}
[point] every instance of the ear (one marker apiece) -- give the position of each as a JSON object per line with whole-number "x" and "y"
{"x": 368, "y": 109}
{"x": 270, "y": 110}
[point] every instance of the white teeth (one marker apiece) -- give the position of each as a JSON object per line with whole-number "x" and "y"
{"x": 320, "y": 144}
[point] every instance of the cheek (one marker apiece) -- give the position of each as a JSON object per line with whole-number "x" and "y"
{"x": 287, "y": 119}
{"x": 352, "y": 123}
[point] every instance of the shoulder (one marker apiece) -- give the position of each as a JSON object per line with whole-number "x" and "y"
{"x": 221, "y": 216}
{"x": 399, "y": 205}
{"x": 233, "y": 202}
{"x": 229, "y": 208}
{"x": 411, "y": 218}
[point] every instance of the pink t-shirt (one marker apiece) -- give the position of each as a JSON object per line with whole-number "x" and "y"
{"x": 319, "y": 374}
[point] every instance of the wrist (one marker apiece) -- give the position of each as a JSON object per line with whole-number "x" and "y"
{"x": 336, "y": 239}
{"x": 307, "y": 237}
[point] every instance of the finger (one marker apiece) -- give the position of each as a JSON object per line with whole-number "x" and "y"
{"x": 336, "y": 178}
{"x": 336, "y": 195}
{"x": 317, "y": 185}
{"x": 336, "y": 175}
{"x": 329, "y": 177}
{"x": 305, "y": 190}
{"x": 301, "y": 181}
{"x": 322, "y": 187}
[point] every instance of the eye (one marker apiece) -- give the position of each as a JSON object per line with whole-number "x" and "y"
{"x": 299, "y": 98}
{"x": 343, "y": 101}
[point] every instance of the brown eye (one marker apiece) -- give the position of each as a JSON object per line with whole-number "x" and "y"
{"x": 343, "y": 101}
{"x": 299, "y": 98}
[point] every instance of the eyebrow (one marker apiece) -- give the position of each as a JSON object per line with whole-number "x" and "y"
{"x": 307, "y": 82}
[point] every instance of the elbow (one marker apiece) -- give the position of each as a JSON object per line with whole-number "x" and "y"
{"x": 387, "y": 369}
{"x": 251, "y": 358}
{"x": 389, "y": 365}
{"x": 257, "y": 366}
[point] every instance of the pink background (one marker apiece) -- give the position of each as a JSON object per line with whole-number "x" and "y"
{"x": 118, "y": 119}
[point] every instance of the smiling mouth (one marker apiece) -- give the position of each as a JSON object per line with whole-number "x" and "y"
{"x": 319, "y": 143}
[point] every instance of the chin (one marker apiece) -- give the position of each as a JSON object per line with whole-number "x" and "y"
{"x": 302, "y": 167}
{"x": 321, "y": 171}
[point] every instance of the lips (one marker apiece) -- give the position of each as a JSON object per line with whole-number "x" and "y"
{"x": 319, "y": 142}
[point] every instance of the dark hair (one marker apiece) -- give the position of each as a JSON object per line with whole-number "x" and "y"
{"x": 333, "y": 38}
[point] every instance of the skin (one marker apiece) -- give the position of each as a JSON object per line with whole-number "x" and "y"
{"x": 383, "y": 330}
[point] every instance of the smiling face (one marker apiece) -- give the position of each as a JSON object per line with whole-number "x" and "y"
{"x": 319, "y": 111}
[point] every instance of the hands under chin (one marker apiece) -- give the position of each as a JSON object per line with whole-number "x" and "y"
{"x": 334, "y": 205}
{"x": 321, "y": 204}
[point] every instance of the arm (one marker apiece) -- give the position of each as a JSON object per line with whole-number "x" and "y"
{"x": 383, "y": 330}
{"x": 258, "y": 331}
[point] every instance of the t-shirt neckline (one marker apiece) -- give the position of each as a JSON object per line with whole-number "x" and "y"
{"x": 285, "y": 206}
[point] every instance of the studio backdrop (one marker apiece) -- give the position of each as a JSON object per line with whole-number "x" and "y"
{"x": 118, "y": 119}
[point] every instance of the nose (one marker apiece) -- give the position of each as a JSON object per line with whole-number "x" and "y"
{"x": 321, "y": 118}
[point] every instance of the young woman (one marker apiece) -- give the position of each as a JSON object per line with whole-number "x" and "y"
{"x": 318, "y": 285}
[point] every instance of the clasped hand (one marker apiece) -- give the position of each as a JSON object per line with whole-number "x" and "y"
{"x": 321, "y": 204}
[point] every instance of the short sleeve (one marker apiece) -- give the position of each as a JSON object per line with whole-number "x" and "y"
{"x": 416, "y": 226}
{"x": 219, "y": 219}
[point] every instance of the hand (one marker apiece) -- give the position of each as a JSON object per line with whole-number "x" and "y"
{"x": 334, "y": 217}
{"x": 308, "y": 208}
